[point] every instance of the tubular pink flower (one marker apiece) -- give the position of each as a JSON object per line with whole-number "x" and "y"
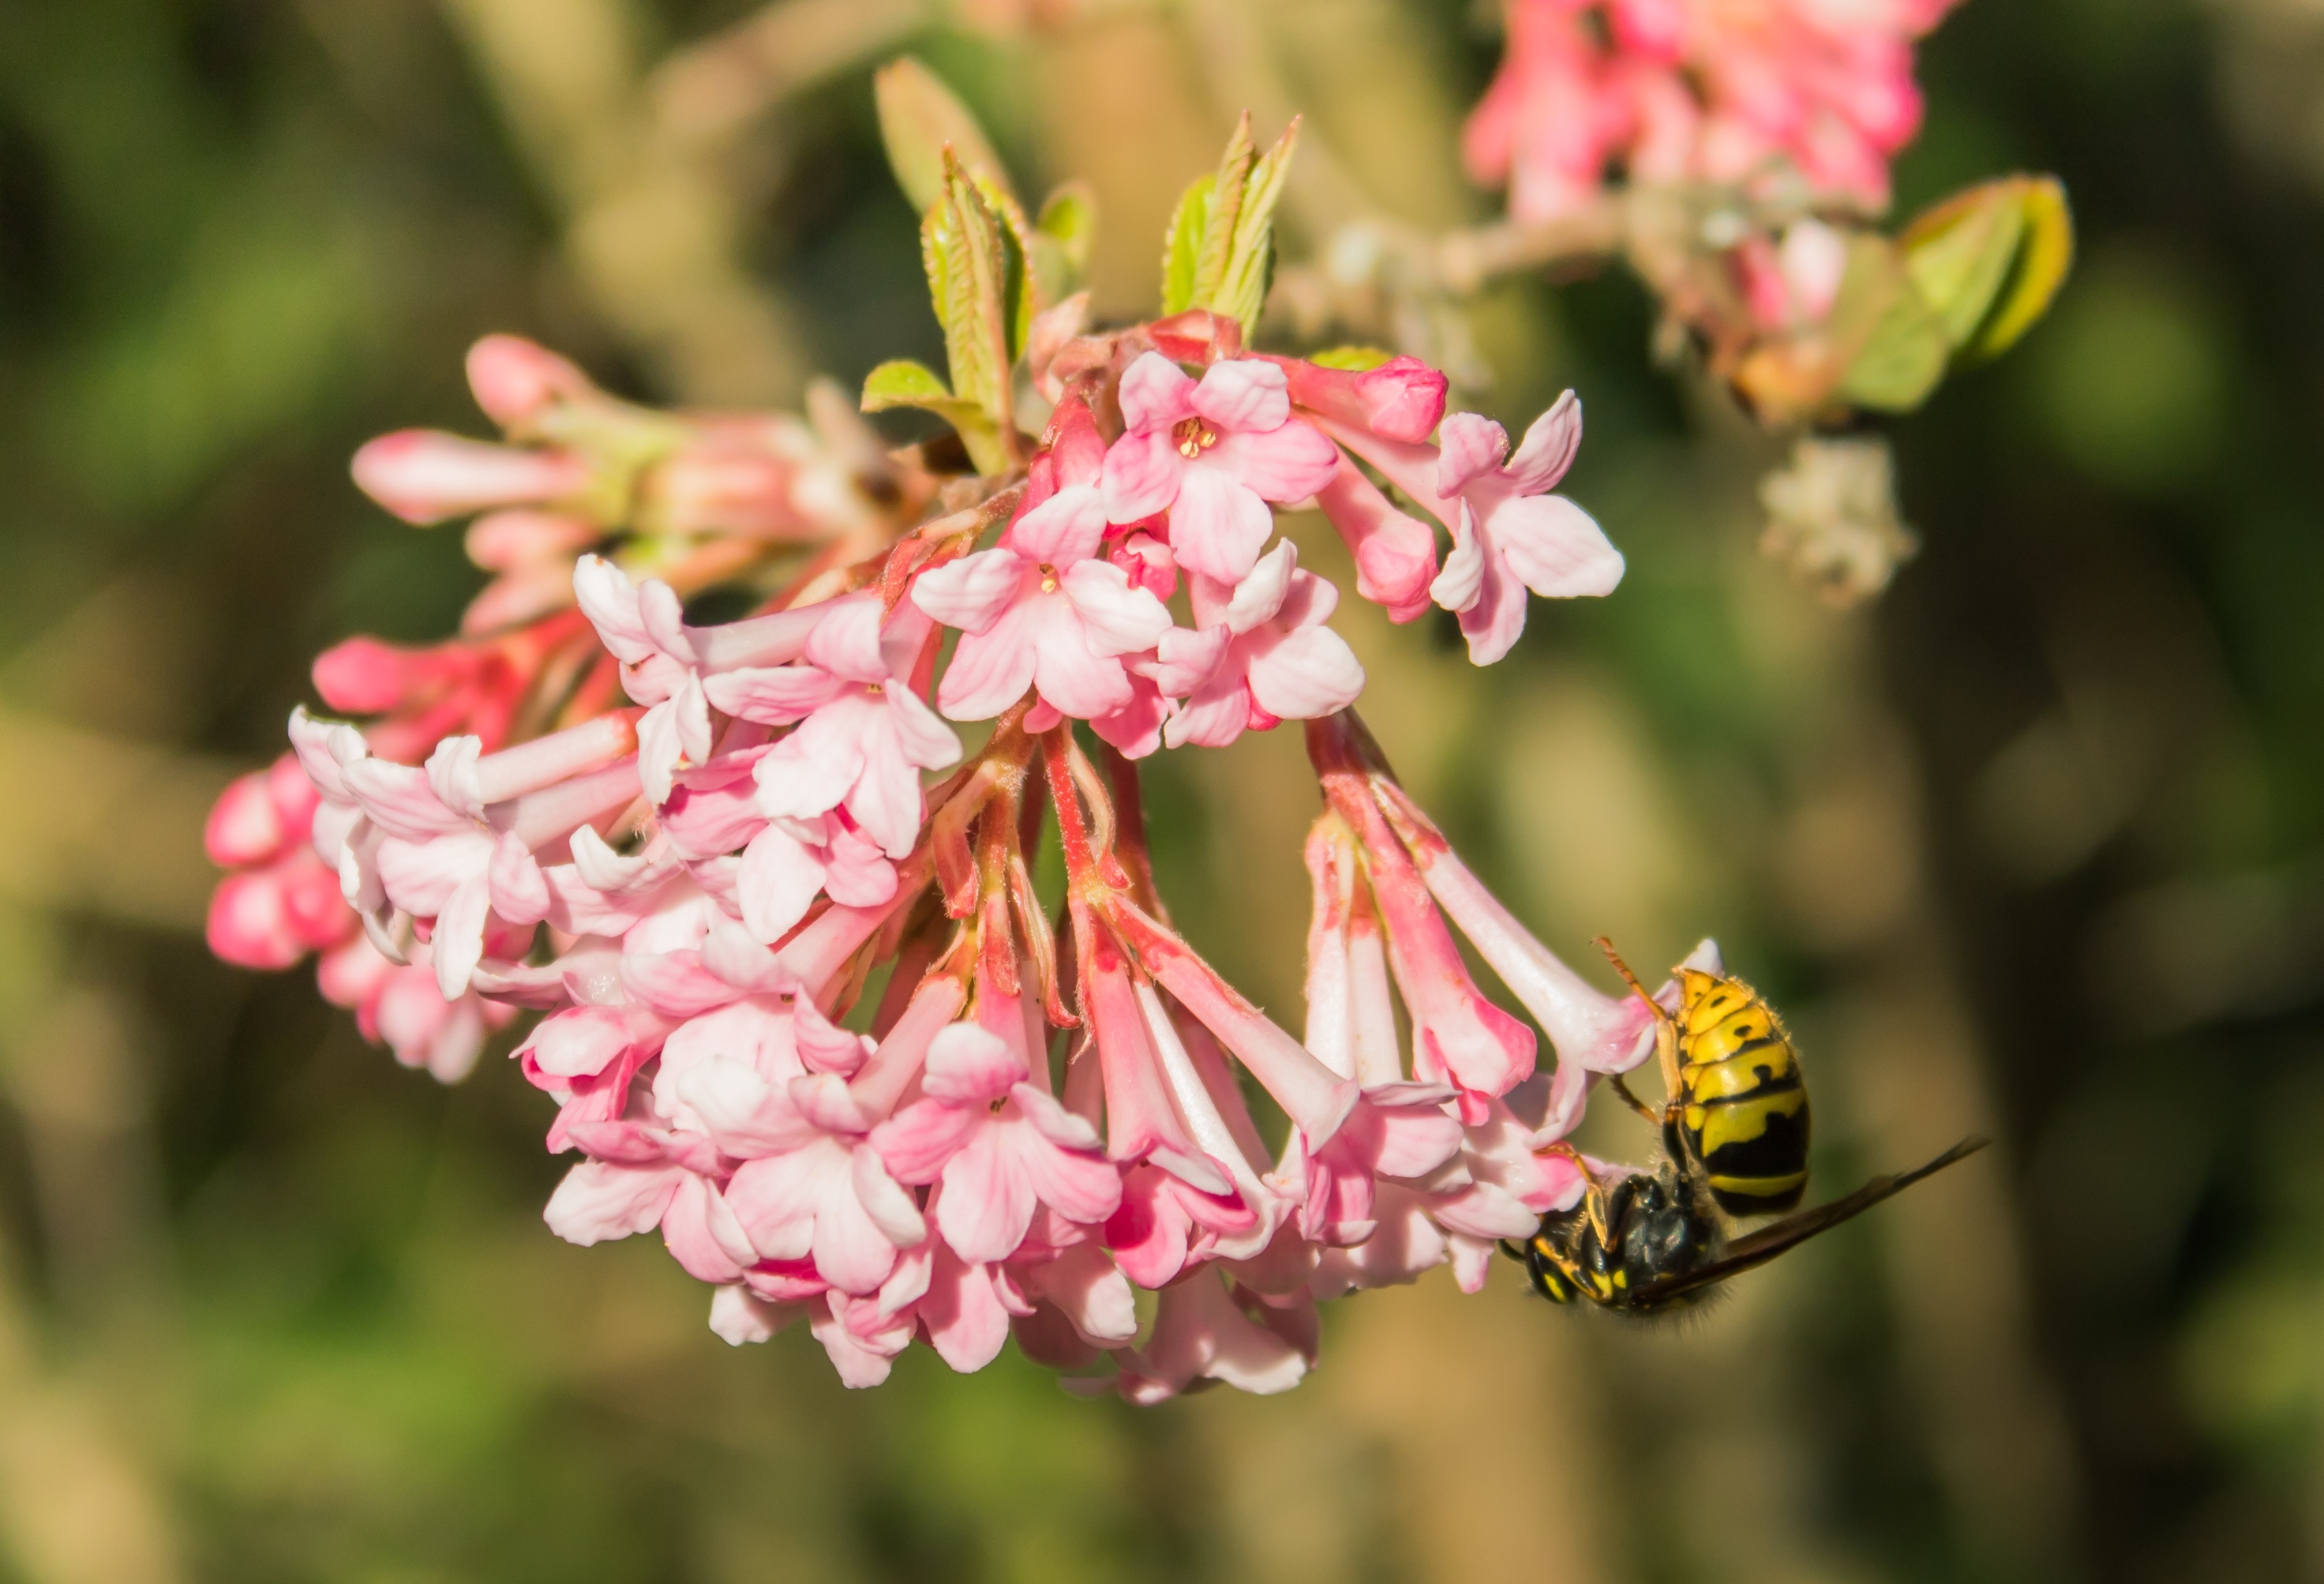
{"x": 1201, "y": 1333}
{"x": 1592, "y": 1031}
{"x": 1279, "y": 662}
{"x": 399, "y": 1006}
{"x": 1041, "y": 610}
{"x": 1395, "y": 552}
{"x": 1400, "y": 400}
{"x": 424, "y": 477}
{"x": 1458, "y": 1036}
{"x": 516, "y": 381}
{"x": 999, "y": 1145}
{"x": 1212, "y": 454}
{"x": 1508, "y": 534}
{"x": 863, "y": 733}
{"x": 1698, "y": 91}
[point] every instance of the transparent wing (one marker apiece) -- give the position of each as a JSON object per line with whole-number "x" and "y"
{"x": 1769, "y": 1242}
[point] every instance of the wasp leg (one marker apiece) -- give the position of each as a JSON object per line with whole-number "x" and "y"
{"x": 1666, "y": 1033}
{"x": 1593, "y": 1195}
{"x": 1623, "y": 1089}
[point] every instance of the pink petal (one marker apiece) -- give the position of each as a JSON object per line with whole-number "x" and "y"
{"x": 597, "y": 1202}
{"x": 1155, "y": 393}
{"x": 776, "y": 695}
{"x": 740, "y": 1317}
{"x": 846, "y": 642}
{"x": 1117, "y": 617}
{"x": 811, "y": 771}
{"x": 917, "y": 1140}
{"x": 970, "y": 1066}
{"x": 1053, "y": 1122}
{"x": 966, "y": 1323}
{"x": 1307, "y": 675}
{"x": 458, "y": 943}
{"x": 1246, "y": 393}
{"x": 1284, "y": 465}
{"x": 1069, "y": 671}
{"x": 1217, "y": 525}
{"x": 1468, "y": 446}
{"x": 781, "y": 877}
{"x": 990, "y": 671}
{"x": 988, "y": 1200}
{"x": 972, "y": 592}
{"x": 1554, "y": 547}
{"x": 1081, "y": 1187}
{"x": 1068, "y": 527}
{"x": 921, "y": 734}
{"x": 1462, "y": 583}
{"x": 1260, "y": 596}
{"x": 1548, "y": 448}
{"x": 609, "y": 600}
{"x": 1143, "y": 473}
{"x": 703, "y": 1235}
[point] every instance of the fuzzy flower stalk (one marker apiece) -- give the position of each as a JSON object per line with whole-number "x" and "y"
{"x": 798, "y": 1004}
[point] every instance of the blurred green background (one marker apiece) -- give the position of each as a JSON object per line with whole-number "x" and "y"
{"x": 2035, "y": 845}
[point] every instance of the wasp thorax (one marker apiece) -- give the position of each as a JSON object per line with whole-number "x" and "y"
{"x": 1194, "y": 437}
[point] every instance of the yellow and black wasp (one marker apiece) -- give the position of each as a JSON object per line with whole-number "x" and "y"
{"x": 1735, "y": 1143}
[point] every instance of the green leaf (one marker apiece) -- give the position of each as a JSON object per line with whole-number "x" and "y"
{"x": 1895, "y": 343}
{"x": 1991, "y": 258}
{"x": 902, "y": 382}
{"x": 976, "y": 281}
{"x": 1227, "y": 190}
{"x": 1354, "y": 360}
{"x": 1182, "y": 248}
{"x": 1250, "y": 268}
{"x": 2038, "y": 271}
{"x": 920, "y": 118}
{"x": 1061, "y": 242}
{"x": 1960, "y": 251}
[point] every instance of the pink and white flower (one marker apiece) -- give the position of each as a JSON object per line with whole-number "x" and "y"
{"x": 1042, "y": 609}
{"x": 1212, "y": 453}
{"x": 1279, "y": 661}
{"x": 1510, "y": 533}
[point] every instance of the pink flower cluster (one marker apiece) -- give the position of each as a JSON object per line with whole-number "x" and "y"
{"x": 700, "y": 890}
{"x": 1724, "y": 91}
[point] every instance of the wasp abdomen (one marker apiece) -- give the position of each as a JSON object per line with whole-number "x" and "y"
{"x": 1744, "y": 1112}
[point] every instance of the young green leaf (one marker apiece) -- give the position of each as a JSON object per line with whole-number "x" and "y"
{"x": 1182, "y": 248}
{"x": 1249, "y": 269}
{"x": 976, "y": 280}
{"x": 920, "y": 118}
{"x": 1894, "y": 343}
{"x": 1061, "y": 242}
{"x": 902, "y": 382}
{"x": 1991, "y": 258}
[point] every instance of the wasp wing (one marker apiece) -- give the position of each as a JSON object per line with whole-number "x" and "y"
{"x": 1765, "y": 1244}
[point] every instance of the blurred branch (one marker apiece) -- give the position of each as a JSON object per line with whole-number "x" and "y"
{"x": 652, "y": 235}
{"x": 707, "y": 92}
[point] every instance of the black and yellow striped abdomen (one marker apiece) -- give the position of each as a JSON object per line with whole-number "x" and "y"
{"x": 1743, "y": 1110}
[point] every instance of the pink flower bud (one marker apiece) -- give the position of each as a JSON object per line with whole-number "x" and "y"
{"x": 245, "y": 827}
{"x": 519, "y": 537}
{"x": 424, "y": 476}
{"x": 1401, "y": 399}
{"x": 515, "y": 380}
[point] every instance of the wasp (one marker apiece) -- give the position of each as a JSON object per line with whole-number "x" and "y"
{"x": 1734, "y": 1125}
